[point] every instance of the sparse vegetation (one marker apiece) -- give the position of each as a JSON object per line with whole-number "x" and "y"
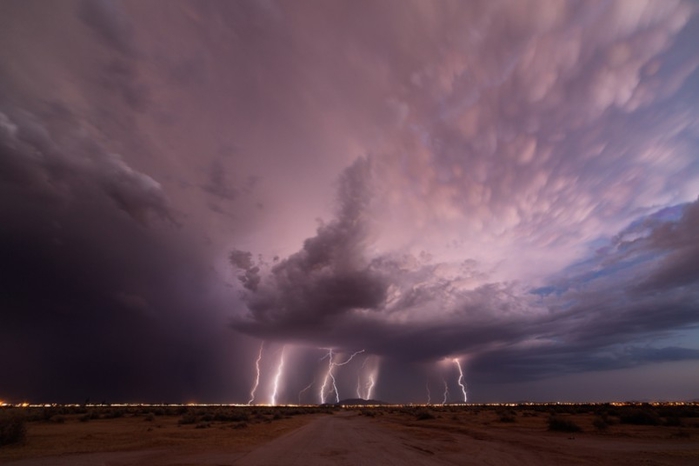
{"x": 560, "y": 424}
{"x": 600, "y": 424}
{"x": 641, "y": 417}
{"x": 424, "y": 414}
{"x": 12, "y": 430}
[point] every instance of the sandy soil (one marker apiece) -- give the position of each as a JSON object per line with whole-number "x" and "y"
{"x": 397, "y": 437}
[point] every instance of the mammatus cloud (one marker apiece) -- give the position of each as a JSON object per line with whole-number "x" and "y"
{"x": 493, "y": 222}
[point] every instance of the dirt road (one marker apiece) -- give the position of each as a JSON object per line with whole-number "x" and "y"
{"x": 342, "y": 439}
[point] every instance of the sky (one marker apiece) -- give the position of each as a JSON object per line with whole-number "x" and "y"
{"x": 301, "y": 202}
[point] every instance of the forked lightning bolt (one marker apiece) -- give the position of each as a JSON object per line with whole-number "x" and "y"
{"x": 329, "y": 376}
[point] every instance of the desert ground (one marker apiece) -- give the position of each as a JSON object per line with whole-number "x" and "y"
{"x": 425, "y": 435}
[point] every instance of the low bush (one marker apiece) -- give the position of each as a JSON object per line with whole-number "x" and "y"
{"x": 188, "y": 418}
{"x": 560, "y": 424}
{"x": 600, "y": 424}
{"x": 641, "y": 417}
{"x": 12, "y": 430}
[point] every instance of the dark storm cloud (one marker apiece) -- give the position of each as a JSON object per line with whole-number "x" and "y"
{"x": 405, "y": 309}
{"x": 328, "y": 277}
{"x": 33, "y": 162}
{"x": 87, "y": 278}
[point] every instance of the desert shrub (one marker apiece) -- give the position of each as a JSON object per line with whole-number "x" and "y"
{"x": 150, "y": 417}
{"x": 600, "y": 424}
{"x": 277, "y": 416}
{"x": 241, "y": 425}
{"x": 560, "y": 424}
{"x": 188, "y": 418}
{"x": 508, "y": 416}
{"x": 641, "y": 417}
{"x": 12, "y": 430}
{"x": 114, "y": 414}
{"x": 423, "y": 414}
{"x": 85, "y": 417}
{"x": 58, "y": 419}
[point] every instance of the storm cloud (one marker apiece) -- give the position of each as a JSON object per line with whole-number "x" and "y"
{"x": 510, "y": 184}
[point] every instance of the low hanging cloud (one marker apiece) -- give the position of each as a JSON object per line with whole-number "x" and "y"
{"x": 33, "y": 162}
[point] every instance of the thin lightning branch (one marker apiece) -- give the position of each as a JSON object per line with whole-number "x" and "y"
{"x": 349, "y": 359}
{"x": 330, "y": 377}
{"x": 429, "y": 395}
{"x": 277, "y": 377}
{"x": 461, "y": 379}
{"x": 359, "y": 386}
{"x": 257, "y": 374}
{"x": 305, "y": 389}
{"x": 446, "y": 392}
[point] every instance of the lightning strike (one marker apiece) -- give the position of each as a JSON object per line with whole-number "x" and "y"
{"x": 280, "y": 368}
{"x": 446, "y": 392}
{"x": 370, "y": 387}
{"x": 330, "y": 377}
{"x": 257, "y": 374}
{"x": 461, "y": 379}
{"x": 327, "y": 374}
{"x": 429, "y": 395}
{"x": 308, "y": 387}
{"x": 349, "y": 359}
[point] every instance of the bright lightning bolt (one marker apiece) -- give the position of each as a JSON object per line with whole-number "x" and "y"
{"x": 461, "y": 379}
{"x": 370, "y": 387}
{"x": 327, "y": 374}
{"x": 277, "y": 377}
{"x": 257, "y": 374}
{"x": 446, "y": 392}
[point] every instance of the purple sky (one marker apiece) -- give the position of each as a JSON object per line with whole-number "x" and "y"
{"x": 512, "y": 185}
